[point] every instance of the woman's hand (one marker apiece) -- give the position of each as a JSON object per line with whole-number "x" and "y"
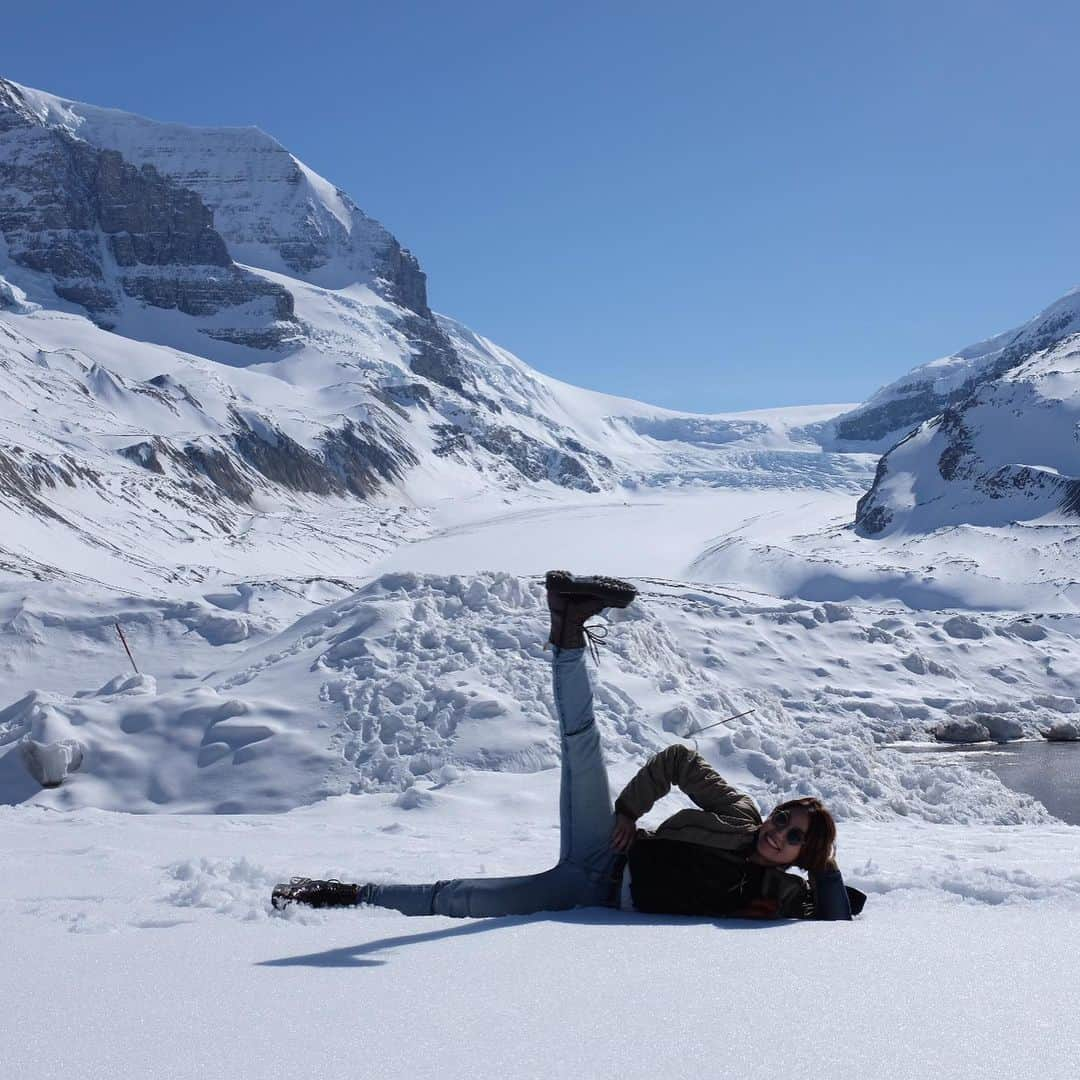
{"x": 623, "y": 834}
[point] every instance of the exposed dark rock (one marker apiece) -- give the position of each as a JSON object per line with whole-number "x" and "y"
{"x": 405, "y": 395}
{"x": 533, "y": 459}
{"x": 363, "y": 457}
{"x": 355, "y": 459}
{"x": 1070, "y": 503}
{"x": 270, "y": 337}
{"x": 452, "y": 440}
{"x": 896, "y": 415}
{"x": 171, "y": 389}
{"x": 602, "y": 461}
{"x": 434, "y": 357}
{"x": 873, "y": 520}
{"x": 870, "y": 517}
{"x": 959, "y": 447}
{"x": 218, "y": 467}
{"x": 280, "y": 459}
{"x": 25, "y": 474}
{"x": 144, "y": 454}
{"x": 405, "y": 282}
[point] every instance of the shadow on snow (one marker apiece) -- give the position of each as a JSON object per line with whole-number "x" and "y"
{"x": 362, "y": 955}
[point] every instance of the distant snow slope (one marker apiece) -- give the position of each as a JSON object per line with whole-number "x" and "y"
{"x": 188, "y": 461}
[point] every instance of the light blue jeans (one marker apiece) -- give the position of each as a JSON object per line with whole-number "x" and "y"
{"x": 589, "y": 870}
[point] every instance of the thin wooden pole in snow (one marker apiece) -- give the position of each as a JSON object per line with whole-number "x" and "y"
{"x": 694, "y": 734}
{"x": 727, "y": 721}
{"x": 123, "y": 641}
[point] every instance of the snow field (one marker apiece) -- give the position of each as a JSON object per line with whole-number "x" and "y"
{"x": 958, "y": 959}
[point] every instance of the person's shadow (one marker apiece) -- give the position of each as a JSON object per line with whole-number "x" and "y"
{"x": 363, "y": 955}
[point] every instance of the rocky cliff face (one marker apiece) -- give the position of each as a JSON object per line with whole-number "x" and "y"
{"x": 1009, "y": 451}
{"x": 271, "y": 211}
{"x": 103, "y": 230}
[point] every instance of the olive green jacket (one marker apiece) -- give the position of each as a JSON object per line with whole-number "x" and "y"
{"x": 727, "y": 822}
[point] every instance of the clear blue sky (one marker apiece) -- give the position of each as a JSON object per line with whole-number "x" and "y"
{"x": 705, "y": 205}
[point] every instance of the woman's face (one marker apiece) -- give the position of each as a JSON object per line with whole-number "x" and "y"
{"x": 780, "y": 837}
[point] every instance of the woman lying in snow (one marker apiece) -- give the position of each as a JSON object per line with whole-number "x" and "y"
{"x": 719, "y": 860}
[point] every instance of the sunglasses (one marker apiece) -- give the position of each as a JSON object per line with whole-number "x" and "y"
{"x": 781, "y": 818}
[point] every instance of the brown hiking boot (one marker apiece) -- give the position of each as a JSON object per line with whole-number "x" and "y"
{"x": 318, "y": 894}
{"x": 572, "y": 600}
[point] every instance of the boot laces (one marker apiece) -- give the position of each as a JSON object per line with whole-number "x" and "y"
{"x": 594, "y": 638}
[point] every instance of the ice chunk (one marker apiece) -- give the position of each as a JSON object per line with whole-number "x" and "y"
{"x": 50, "y": 763}
{"x": 1000, "y": 728}
{"x": 963, "y": 626}
{"x": 679, "y": 720}
{"x": 1062, "y": 731}
{"x": 961, "y": 730}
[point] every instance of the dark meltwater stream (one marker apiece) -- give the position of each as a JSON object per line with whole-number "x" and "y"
{"x": 1049, "y": 771}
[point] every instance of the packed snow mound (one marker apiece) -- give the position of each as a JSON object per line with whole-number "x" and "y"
{"x": 942, "y": 384}
{"x": 414, "y": 679}
{"x": 141, "y": 751}
{"x": 1006, "y": 453}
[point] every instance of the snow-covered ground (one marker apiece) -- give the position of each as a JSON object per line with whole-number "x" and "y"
{"x": 144, "y": 946}
{"x": 404, "y": 714}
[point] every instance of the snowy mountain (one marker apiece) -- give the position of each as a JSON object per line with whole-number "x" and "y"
{"x": 1009, "y": 451}
{"x": 196, "y": 329}
{"x": 930, "y": 389}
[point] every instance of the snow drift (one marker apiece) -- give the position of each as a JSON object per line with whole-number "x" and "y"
{"x": 415, "y": 678}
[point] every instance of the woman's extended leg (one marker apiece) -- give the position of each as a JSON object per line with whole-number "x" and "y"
{"x": 556, "y": 889}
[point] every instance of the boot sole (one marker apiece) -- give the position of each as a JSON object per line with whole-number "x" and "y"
{"x": 612, "y": 592}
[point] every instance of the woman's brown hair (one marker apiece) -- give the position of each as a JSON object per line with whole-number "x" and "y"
{"x": 820, "y": 840}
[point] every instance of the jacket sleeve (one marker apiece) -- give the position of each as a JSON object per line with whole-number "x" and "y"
{"x": 830, "y": 896}
{"x": 679, "y": 766}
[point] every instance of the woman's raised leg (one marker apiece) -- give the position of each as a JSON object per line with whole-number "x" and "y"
{"x": 586, "y": 814}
